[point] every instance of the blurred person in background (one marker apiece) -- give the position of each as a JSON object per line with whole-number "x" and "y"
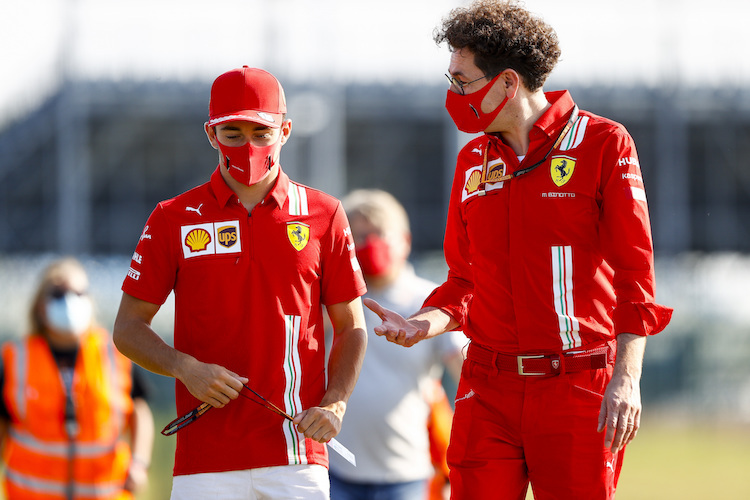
{"x": 251, "y": 257}
{"x": 398, "y": 416}
{"x": 74, "y": 424}
{"x": 551, "y": 271}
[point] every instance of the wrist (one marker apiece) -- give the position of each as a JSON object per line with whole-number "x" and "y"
{"x": 138, "y": 462}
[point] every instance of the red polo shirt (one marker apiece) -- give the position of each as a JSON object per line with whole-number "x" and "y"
{"x": 557, "y": 258}
{"x": 248, "y": 294}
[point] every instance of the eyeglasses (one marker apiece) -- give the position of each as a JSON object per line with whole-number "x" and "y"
{"x": 193, "y": 415}
{"x": 460, "y": 85}
{"x": 60, "y": 292}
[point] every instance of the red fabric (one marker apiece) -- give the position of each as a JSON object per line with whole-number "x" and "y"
{"x": 242, "y": 289}
{"x": 536, "y": 266}
{"x": 509, "y": 431}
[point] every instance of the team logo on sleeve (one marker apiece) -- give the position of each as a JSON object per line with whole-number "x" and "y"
{"x": 562, "y": 169}
{"x": 299, "y": 234}
{"x": 210, "y": 238}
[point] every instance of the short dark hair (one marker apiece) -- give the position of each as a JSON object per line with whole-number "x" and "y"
{"x": 501, "y": 35}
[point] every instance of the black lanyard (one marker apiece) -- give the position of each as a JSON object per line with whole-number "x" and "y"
{"x": 571, "y": 121}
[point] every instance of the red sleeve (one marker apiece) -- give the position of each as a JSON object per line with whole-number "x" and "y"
{"x": 153, "y": 267}
{"x": 342, "y": 279}
{"x": 454, "y": 296}
{"x": 625, "y": 237}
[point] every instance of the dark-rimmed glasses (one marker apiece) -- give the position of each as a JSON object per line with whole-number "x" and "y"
{"x": 460, "y": 85}
{"x": 194, "y": 414}
{"x": 58, "y": 292}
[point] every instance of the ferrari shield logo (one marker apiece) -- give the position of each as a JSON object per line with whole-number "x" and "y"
{"x": 561, "y": 169}
{"x": 299, "y": 234}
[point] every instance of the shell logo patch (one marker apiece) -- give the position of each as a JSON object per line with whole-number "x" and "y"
{"x": 299, "y": 234}
{"x": 210, "y": 238}
{"x": 472, "y": 184}
{"x": 561, "y": 169}
{"x": 473, "y": 179}
{"x": 197, "y": 239}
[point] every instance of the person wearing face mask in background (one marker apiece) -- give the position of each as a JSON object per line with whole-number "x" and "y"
{"x": 252, "y": 258}
{"x": 74, "y": 421}
{"x": 398, "y": 395}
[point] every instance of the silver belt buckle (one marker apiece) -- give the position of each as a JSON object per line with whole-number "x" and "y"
{"x": 521, "y": 359}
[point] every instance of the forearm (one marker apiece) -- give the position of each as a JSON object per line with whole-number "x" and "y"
{"x": 629, "y": 360}
{"x": 142, "y": 438}
{"x": 139, "y": 342}
{"x": 434, "y": 321}
{"x": 345, "y": 362}
{"x": 135, "y": 338}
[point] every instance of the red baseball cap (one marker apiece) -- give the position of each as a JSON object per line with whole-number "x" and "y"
{"x": 248, "y": 94}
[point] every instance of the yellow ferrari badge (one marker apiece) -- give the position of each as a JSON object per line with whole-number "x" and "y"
{"x": 561, "y": 169}
{"x": 299, "y": 234}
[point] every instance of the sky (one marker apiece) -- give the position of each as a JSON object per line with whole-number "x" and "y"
{"x": 604, "y": 42}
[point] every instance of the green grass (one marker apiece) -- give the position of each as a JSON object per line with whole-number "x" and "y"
{"x": 686, "y": 462}
{"x": 666, "y": 461}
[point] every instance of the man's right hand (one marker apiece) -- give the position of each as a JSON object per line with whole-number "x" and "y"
{"x": 395, "y": 328}
{"x": 210, "y": 383}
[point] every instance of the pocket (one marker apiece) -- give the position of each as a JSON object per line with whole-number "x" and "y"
{"x": 473, "y": 370}
{"x": 590, "y": 385}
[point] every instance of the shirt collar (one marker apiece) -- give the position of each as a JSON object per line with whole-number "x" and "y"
{"x": 220, "y": 188}
{"x": 556, "y": 116}
{"x": 224, "y": 193}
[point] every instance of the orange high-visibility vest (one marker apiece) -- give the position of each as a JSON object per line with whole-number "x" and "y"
{"x": 38, "y": 450}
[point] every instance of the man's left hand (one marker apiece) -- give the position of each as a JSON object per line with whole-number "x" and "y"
{"x": 620, "y": 412}
{"x": 318, "y": 423}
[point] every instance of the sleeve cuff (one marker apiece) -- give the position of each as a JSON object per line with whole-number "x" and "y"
{"x": 641, "y": 318}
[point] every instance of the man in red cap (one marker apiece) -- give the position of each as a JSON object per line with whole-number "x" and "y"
{"x": 251, "y": 256}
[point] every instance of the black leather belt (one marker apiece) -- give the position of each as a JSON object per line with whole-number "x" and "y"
{"x": 541, "y": 365}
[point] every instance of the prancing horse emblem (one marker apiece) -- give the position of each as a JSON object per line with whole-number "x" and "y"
{"x": 561, "y": 169}
{"x": 298, "y": 233}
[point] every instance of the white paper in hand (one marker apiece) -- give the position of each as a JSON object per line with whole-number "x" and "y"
{"x": 343, "y": 451}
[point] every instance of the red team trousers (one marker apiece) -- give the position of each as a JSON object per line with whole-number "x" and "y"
{"x": 509, "y": 430}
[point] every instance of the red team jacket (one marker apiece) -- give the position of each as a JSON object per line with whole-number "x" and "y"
{"x": 248, "y": 294}
{"x": 557, "y": 258}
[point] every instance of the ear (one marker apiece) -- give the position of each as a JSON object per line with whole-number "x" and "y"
{"x": 211, "y": 134}
{"x": 285, "y": 130}
{"x": 511, "y": 81}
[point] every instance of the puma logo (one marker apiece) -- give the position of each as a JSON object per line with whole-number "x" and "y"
{"x": 610, "y": 465}
{"x": 196, "y": 210}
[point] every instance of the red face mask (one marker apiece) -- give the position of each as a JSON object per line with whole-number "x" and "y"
{"x": 466, "y": 110}
{"x": 374, "y": 256}
{"x": 249, "y": 164}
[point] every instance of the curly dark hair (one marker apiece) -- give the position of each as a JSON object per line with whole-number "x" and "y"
{"x": 501, "y": 34}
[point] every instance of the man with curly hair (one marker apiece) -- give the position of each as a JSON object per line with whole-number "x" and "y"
{"x": 551, "y": 272}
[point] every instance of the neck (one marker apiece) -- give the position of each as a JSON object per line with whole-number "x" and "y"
{"x": 251, "y": 195}
{"x": 523, "y": 117}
